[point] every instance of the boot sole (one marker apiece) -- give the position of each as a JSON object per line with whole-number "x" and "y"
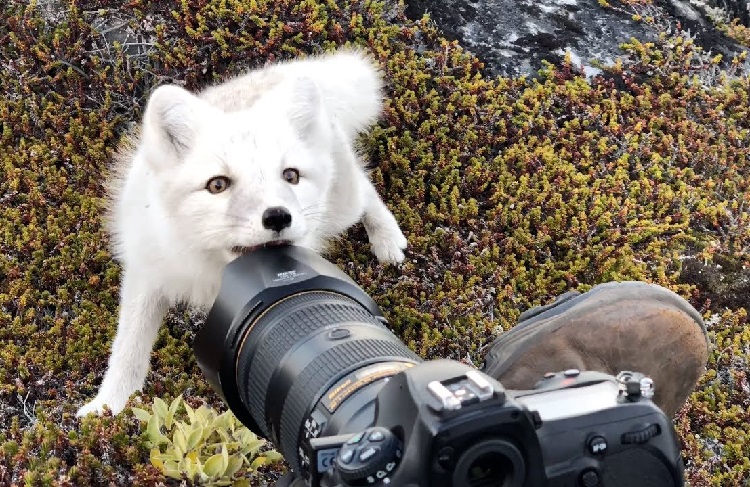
{"x": 573, "y": 306}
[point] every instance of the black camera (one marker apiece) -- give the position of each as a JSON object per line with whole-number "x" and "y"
{"x": 304, "y": 358}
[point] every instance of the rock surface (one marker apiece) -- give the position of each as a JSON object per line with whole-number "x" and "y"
{"x": 512, "y": 37}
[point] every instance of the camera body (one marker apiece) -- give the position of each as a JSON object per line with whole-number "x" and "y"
{"x": 304, "y": 358}
{"x": 442, "y": 423}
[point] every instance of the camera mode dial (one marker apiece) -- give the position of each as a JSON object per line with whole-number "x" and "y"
{"x": 369, "y": 457}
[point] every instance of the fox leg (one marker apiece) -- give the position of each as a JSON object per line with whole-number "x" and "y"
{"x": 386, "y": 239}
{"x": 142, "y": 311}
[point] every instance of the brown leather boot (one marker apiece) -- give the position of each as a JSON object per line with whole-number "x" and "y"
{"x": 613, "y": 327}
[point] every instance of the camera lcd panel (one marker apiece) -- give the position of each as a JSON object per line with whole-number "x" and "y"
{"x": 575, "y": 401}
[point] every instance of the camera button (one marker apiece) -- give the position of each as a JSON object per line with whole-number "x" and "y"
{"x": 376, "y": 436}
{"x": 339, "y": 334}
{"x": 346, "y": 455}
{"x": 536, "y": 419}
{"x": 598, "y": 445}
{"x": 368, "y": 453}
{"x": 589, "y": 478}
{"x": 572, "y": 373}
{"x": 355, "y": 439}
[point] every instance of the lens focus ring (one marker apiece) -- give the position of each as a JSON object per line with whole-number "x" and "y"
{"x": 281, "y": 328}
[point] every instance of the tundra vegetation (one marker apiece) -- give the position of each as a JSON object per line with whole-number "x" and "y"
{"x": 511, "y": 191}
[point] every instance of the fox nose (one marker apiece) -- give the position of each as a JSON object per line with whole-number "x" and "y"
{"x": 277, "y": 218}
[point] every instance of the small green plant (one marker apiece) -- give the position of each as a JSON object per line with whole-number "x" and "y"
{"x": 202, "y": 445}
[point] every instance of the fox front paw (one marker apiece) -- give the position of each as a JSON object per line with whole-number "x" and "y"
{"x": 97, "y": 404}
{"x": 389, "y": 248}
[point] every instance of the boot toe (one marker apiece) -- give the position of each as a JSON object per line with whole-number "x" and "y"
{"x": 613, "y": 327}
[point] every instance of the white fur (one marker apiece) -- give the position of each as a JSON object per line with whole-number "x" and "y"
{"x": 174, "y": 238}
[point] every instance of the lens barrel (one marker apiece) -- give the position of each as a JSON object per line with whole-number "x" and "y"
{"x": 295, "y": 352}
{"x": 286, "y": 327}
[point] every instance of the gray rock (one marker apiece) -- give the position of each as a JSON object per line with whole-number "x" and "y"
{"x": 512, "y": 37}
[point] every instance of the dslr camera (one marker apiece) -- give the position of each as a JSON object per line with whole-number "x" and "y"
{"x": 305, "y": 358}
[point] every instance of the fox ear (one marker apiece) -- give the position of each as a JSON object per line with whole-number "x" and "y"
{"x": 171, "y": 122}
{"x": 306, "y": 107}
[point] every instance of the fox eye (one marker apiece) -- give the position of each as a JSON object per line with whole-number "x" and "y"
{"x": 291, "y": 175}
{"x": 217, "y": 184}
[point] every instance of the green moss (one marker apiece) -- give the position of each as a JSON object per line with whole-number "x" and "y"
{"x": 511, "y": 191}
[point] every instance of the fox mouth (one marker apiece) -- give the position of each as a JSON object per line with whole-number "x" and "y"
{"x": 242, "y": 249}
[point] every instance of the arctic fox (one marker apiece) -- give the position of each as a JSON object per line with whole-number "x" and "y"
{"x": 264, "y": 157}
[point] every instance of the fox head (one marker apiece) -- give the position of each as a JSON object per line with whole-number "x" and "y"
{"x": 232, "y": 181}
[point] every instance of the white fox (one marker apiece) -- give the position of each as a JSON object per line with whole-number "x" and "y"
{"x": 265, "y": 157}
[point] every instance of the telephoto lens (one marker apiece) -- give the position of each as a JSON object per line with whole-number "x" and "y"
{"x": 305, "y": 359}
{"x": 294, "y": 347}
